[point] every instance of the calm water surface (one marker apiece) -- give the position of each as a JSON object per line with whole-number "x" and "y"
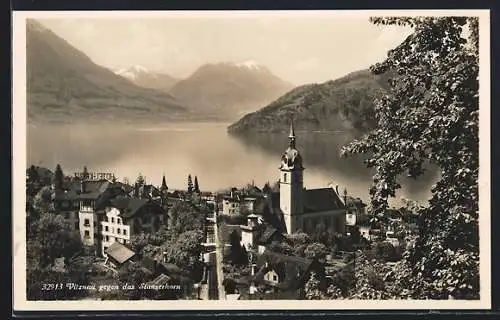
{"x": 205, "y": 150}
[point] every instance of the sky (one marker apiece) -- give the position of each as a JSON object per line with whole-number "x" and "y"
{"x": 299, "y": 48}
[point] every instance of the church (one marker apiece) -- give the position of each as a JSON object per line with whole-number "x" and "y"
{"x": 303, "y": 209}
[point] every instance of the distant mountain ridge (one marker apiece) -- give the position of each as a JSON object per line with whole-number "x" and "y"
{"x": 64, "y": 84}
{"x": 143, "y": 77}
{"x": 230, "y": 89}
{"x": 344, "y": 104}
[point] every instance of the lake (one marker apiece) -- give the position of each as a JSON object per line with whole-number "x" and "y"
{"x": 205, "y": 150}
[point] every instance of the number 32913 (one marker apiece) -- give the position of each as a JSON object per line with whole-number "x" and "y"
{"x": 52, "y": 286}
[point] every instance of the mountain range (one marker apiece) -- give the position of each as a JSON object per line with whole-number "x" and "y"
{"x": 143, "y": 77}
{"x": 63, "y": 84}
{"x": 344, "y": 104}
{"x": 230, "y": 89}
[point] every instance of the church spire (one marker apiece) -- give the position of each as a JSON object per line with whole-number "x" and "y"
{"x": 291, "y": 136}
{"x": 164, "y": 186}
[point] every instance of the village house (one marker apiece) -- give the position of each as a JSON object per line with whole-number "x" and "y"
{"x": 81, "y": 202}
{"x": 239, "y": 202}
{"x": 126, "y": 216}
{"x": 255, "y": 235}
{"x": 280, "y": 273}
{"x": 117, "y": 255}
{"x": 103, "y": 211}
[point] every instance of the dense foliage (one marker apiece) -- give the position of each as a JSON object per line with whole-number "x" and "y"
{"x": 48, "y": 238}
{"x": 430, "y": 115}
{"x": 342, "y": 104}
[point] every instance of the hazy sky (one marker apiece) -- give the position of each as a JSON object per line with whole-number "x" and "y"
{"x": 298, "y": 48}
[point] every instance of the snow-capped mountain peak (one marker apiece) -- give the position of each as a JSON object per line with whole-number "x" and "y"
{"x": 250, "y": 64}
{"x": 139, "y": 68}
{"x": 132, "y": 72}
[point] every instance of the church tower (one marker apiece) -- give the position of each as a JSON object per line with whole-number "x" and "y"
{"x": 291, "y": 185}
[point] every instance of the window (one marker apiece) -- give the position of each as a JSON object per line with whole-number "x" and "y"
{"x": 87, "y": 234}
{"x": 118, "y": 231}
{"x": 284, "y": 177}
{"x": 112, "y": 220}
{"x": 106, "y": 228}
{"x": 95, "y": 224}
{"x": 124, "y": 241}
{"x": 86, "y": 223}
{"x": 118, "y": 220}
{"x": 124, "y": 232}
{"x": 275, "y": 277}
{"x": 107, "y": 238}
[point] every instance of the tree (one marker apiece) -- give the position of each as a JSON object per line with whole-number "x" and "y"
{"x": 85, "y": 174}
{"x": 50, "y": 237}
{"x": 299, "y": 242}
{"x": 267, "y": 188}
{"x": 33, "y": 174}
{"x": 430, "y": 115}
{"x": 237, "y": 254}
{"x": 196, "y": 186}
{"x": 185, "y": 250}
{"x": 190, "y": 184}
{"x": 133, "y": 274}
{"x": 316, "y": 251}
{"x": 140, "y": 181}
{"x": 58, "y": 177}
{"x": 184, "y": 216}
{"x": 314, "y": 288}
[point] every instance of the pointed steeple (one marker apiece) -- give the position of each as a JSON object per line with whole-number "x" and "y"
{"x": 164, "y": 186}
{"x": 291, "y": 136}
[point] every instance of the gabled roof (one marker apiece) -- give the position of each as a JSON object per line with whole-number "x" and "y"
{"x": 292, "y": 270}
{"x": 119, "y": 252}
{"x": 267, "y": 234}
{"x": 315, "y": 200}
{"x": 128, "y": 206}
{"x": 72, "y": 190}
{"x": 125, "y": 187}
{"x": 324, "y": 199}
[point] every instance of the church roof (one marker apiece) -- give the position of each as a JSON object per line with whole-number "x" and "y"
{"x": 324, "y": 199}
{"x": 315, "y": 200}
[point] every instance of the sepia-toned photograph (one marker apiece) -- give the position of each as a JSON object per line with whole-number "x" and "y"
{"x": 312, "y": 159}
